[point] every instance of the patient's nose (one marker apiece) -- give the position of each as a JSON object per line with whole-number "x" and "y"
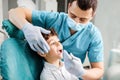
{"x": 58, "y": 43}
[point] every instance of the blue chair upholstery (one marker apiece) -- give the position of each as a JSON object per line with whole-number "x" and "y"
{"x": 12, "y": 30}
{"x": 17, "y": 60}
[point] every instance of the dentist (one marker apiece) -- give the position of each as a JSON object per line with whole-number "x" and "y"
{"x": 75, "y": 31}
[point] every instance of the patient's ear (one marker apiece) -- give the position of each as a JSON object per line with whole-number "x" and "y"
{"x": 42, "y": 55}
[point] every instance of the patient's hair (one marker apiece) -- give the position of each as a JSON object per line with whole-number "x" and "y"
{"x": 47, "y": 36}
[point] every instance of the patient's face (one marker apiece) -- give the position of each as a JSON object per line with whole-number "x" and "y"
{"x": 56, "y": 48}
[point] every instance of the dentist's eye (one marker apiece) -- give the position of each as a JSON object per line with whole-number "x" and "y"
{"x": 73, "y": 16}
{"x": 82, "y": 20}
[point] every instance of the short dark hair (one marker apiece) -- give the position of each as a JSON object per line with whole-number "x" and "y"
{"x": 86, "y": 4}
{"x": 70, "y": 1}
{"x": 52, "y": 33}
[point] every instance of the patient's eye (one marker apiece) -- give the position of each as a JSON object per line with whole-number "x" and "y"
{"x": 52, "y": 42}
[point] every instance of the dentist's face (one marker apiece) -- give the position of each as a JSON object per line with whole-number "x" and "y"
{"x": 78, "y": 15}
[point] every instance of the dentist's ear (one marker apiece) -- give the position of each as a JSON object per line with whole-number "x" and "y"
{"x": 93, "y": 14}
{"x": 42, "y": 55}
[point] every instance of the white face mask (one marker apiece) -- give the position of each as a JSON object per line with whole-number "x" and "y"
{"x": 75, "y": 26}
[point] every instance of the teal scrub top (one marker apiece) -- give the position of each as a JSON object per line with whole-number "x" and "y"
{"x": 87, "y": 41}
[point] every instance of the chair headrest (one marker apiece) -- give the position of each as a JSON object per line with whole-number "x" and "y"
{"x": 12, "y": 30}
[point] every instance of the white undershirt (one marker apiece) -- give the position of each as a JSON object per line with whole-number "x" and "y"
{"x": 51, "y": 72}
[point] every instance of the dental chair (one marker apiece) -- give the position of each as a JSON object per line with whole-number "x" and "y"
{"x": 17, "y": 60}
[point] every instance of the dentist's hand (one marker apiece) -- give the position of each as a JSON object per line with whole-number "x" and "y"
{"x": 73, "y": 64}
{"x": 35, "y": 39}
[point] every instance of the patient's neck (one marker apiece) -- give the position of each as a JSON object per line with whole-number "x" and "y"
{"x": 55, "y": 62}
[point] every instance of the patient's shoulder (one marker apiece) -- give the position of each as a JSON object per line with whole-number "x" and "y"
{"x": 46, "y": 75}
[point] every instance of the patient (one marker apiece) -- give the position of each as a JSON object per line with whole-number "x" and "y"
{"x": 54, "y": 68}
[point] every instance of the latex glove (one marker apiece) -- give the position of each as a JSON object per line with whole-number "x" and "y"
{"x": 73, "y": 64}
{"x": 35, "y": 39}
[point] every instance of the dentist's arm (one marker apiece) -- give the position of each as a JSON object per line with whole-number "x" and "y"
{"x": 21, "y": 18}
{"x": 95, "y": 73}
{"x": 74, "y": 66}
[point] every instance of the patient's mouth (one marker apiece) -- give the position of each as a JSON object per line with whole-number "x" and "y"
{"x": 61, "y": 51}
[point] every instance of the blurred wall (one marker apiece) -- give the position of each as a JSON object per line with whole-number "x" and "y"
{"x": 108, "y": 21}
{"x": 1, "y": 14}
{"x": 1, "y": 18}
